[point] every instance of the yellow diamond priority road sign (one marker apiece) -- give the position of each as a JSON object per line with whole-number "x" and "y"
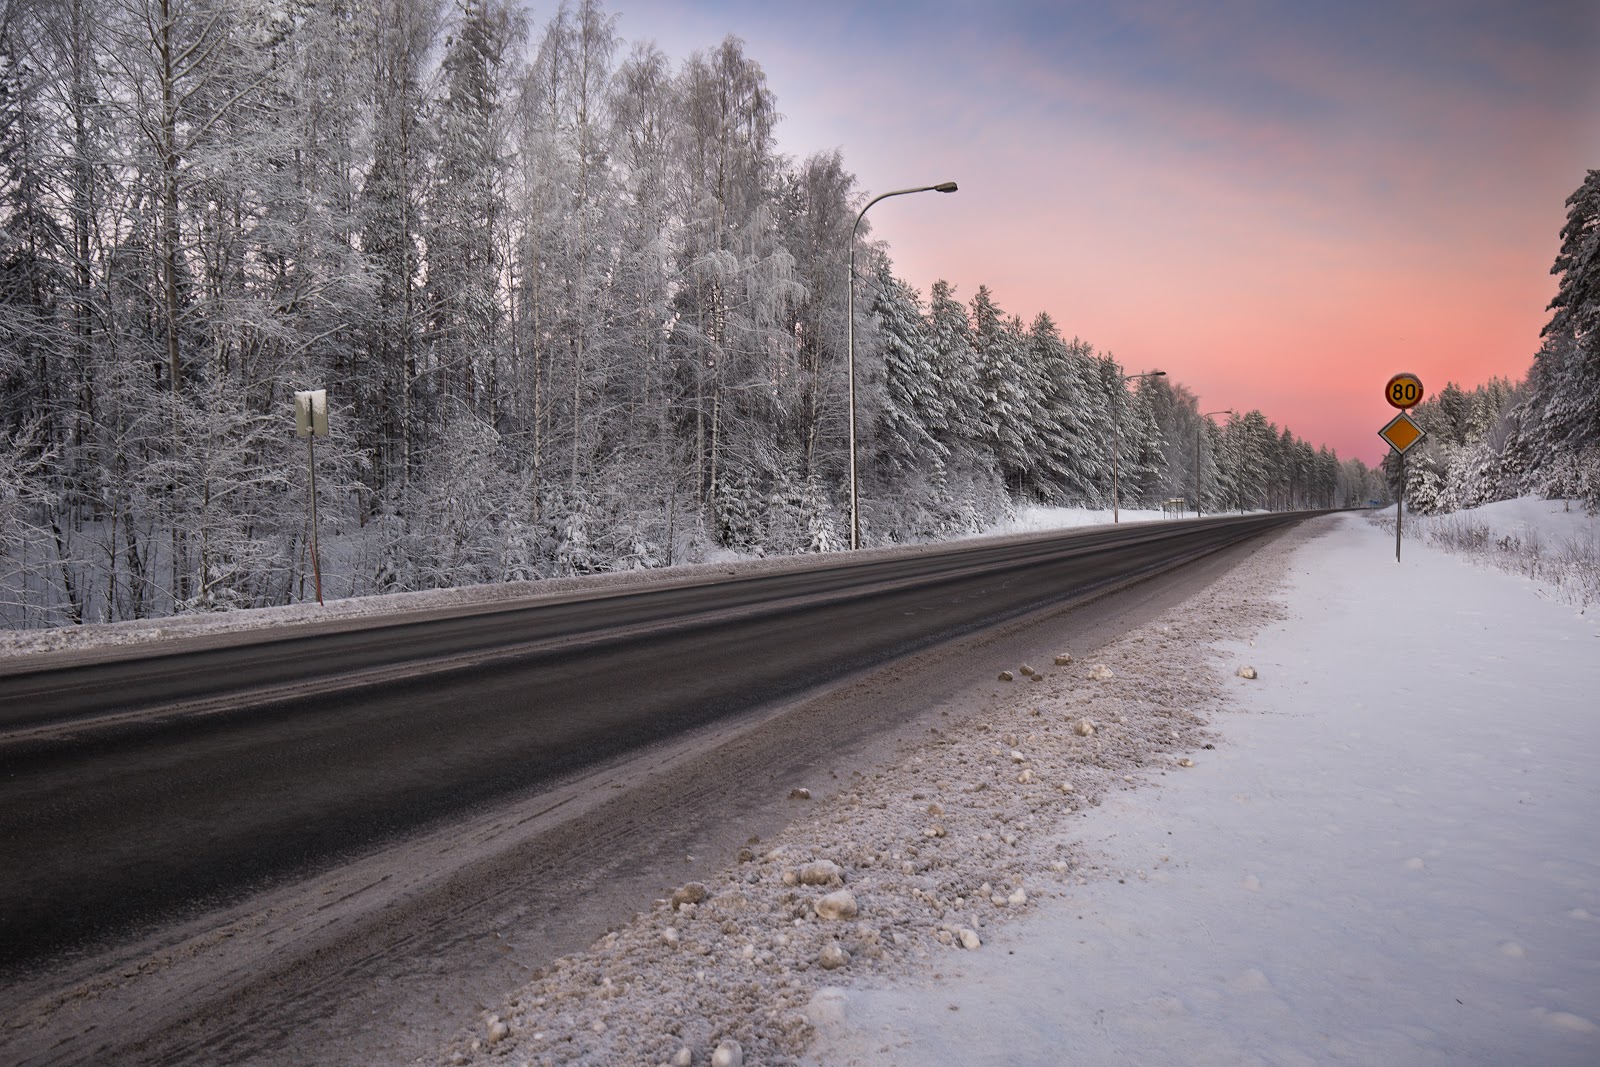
{"x": 1401, "y": 433}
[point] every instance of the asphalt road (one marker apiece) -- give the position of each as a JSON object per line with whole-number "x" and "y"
{"x": 144, "y": 788}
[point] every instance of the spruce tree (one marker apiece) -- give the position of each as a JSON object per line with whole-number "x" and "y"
{"x": 1564, "y": 383}
{"x": 952, "y": 358}
{"x": 914, "y": 400}
{"x": 1006, "y": 404}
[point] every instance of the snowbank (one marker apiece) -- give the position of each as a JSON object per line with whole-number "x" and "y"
{"x": 1552, "y": 522}
{"x": 1034, "y": 518}
{"x": 1553, "y": 543}
{"x": 1390, "y": 860}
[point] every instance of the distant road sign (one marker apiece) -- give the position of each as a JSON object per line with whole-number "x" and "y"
{"x": 1401, "y": 433}
{"x": 1403, "y": 391}
{"x": 311, "y": 413}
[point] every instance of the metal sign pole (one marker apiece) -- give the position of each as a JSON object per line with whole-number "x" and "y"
{"x": 1399, "y": 504}
{"x": 316, "y": 559}
{"x": 311, "y": 422}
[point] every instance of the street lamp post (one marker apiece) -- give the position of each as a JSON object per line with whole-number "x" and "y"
{"x": 1116, "y": 440}
{"x": 850, "y": 333}
{"x": 1197, "y": 425}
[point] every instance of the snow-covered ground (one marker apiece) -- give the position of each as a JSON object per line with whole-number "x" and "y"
{"x": 1528, "y": 518}
{"x": 1554, "y": 543}
{"x": 1391, "y": 859}
{"x": 1380, "y": 850}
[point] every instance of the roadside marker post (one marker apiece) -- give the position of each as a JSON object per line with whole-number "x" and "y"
{"x": 1403, "y": 391}
{"x": 311, "y": 422}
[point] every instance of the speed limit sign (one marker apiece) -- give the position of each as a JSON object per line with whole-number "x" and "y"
{"x": 1403, "y": 391}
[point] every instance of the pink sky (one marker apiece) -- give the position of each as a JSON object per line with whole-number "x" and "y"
{"x": 1279, "y": 207}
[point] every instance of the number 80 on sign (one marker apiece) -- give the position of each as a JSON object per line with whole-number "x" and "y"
{"x": 1403, "y": 391}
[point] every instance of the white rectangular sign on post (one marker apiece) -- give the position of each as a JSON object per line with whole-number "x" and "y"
{"x": 311, "y": 413}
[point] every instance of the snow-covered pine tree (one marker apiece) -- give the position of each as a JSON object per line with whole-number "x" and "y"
{"x": 904, "y": 470}
{"x": 1176, "y": 413}
{"x": 953, "y": 362}
{"x": 1564, "y": 383}
{"x": 1059, "y": 429}
{"x": 1007, "y": 391}
{"x": 1146, "y": 473}
{"x": 972, "y": 491}
{"x": 1216, "y": 472}
{"x": 1120, "y": 442}
{"x": 913, "y": 401}
{"x": 1251, "y": 441}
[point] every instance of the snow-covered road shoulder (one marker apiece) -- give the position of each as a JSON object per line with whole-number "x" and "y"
{"x": 1390, "y": 858}
{"x": 346, "y": 611}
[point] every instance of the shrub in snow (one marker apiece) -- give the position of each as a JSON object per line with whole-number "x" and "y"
{"x": 737, "y": 508}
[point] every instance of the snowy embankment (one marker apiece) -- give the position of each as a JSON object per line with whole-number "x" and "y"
{"x": 1034, "y": 518}
{"x": 1386, "y": 858}
{"x": 106, "y": 635}
{"x": 1554, "y": 543}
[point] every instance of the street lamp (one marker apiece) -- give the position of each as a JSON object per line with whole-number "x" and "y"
{"x": 850, "y": 333}
{"x": 1116, "y": 439}
{"x": 1197, "y": 425}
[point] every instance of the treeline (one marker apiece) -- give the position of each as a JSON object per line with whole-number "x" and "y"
{"x": 1541, "y": 436}
{"x": 972, "y": 393}
{"x": 573, "y": 310}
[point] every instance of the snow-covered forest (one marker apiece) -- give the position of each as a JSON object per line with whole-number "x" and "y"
{"x": 573, "y": 310}
{"x": 1539, "y": 437}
